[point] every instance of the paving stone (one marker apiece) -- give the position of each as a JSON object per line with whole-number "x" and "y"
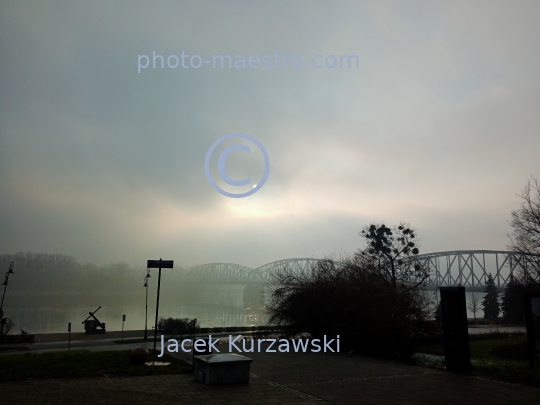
{"x": 283, "y": 379}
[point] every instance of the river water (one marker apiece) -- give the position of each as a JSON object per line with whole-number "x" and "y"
{"x": 51, "y": 312}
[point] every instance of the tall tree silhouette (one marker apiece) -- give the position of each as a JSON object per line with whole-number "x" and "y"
{"x": 512, "y": 304}
{"x": 491, "y": 299}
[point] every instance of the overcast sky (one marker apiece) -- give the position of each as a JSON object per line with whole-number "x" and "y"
{"x": 438, "y": 126}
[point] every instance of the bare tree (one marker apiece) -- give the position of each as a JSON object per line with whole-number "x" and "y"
{"x": 474, "y": 304}
{"x": 351, "y": 300}
{"x": 525, "y": 236}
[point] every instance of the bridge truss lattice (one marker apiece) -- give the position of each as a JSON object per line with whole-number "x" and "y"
{"x": 469, "y": 268}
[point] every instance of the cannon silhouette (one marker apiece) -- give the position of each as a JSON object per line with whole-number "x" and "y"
{"x": 91, "y": 325}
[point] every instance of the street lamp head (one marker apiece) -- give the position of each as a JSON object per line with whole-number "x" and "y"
{"x": 5, "y": 283}
{"x": 145, "y": 283}
{"x": 10, "y": 271}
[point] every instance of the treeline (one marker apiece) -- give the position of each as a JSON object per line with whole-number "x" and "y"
{"x": 507, "y": 306}
{"x": 40, "y": 272}
{"x": 512, "y": 305}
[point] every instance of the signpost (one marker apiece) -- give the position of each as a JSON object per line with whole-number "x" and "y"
{"x": 158, "y": 264}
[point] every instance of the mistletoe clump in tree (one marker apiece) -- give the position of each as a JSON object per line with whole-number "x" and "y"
{"x": 491, "y": 300}
{"x": 392, "y": 253}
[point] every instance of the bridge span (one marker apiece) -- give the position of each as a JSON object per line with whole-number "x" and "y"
{"x": 469, "y": 268}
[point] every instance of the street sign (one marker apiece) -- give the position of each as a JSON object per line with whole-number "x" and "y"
{"x": 160, "y": 264}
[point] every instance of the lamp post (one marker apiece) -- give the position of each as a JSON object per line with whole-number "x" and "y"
{"x": 5, "y": 283}
{"x": 146, "y": 313}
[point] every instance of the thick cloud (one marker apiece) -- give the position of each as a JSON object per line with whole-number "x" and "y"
{"x": 438, "y": 126}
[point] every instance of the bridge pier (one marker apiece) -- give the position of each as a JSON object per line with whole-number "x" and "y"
{"x": 254, "y": 296}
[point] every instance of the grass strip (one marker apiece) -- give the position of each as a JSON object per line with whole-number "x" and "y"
{"x": 83, "y": 364}
{"x": 498, "y": 359}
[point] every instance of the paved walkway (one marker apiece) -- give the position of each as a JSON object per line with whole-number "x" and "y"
{"x": 288, "y": 378}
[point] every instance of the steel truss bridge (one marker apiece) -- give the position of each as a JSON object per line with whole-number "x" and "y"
{"x": 469, "y": 268}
